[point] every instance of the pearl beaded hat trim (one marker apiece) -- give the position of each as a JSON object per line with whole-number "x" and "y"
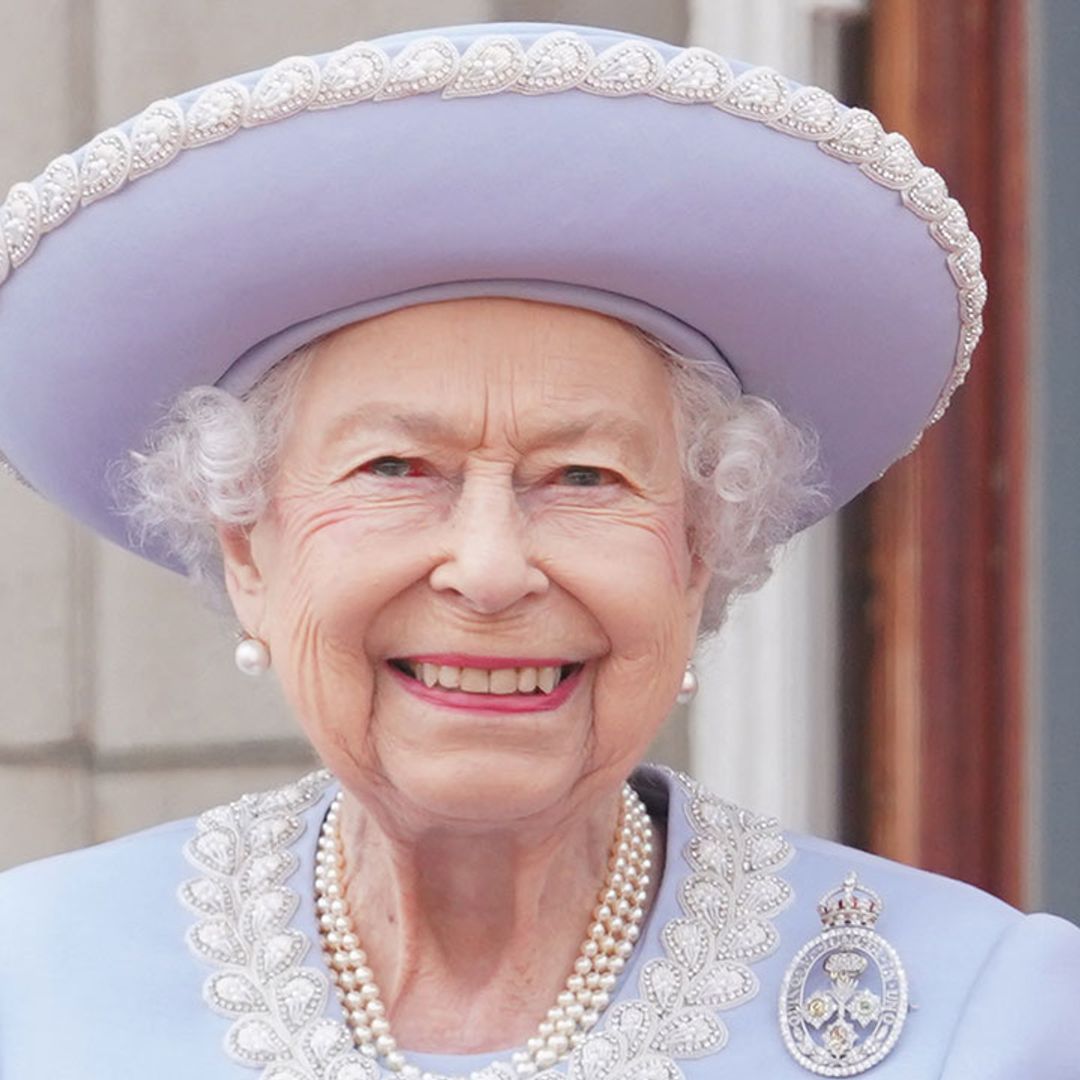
{"x": 740, "y": 217}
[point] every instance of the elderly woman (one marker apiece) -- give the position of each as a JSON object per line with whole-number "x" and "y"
{"x": 481, "y": 411}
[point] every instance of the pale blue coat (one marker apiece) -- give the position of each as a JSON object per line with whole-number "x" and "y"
{"x": 97, "y": 981}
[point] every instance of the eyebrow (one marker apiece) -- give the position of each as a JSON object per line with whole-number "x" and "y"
{"x": 379, "y": 414}
{"x": 624, "y": 430}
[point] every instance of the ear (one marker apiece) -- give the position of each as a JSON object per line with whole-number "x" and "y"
{"x": 244, "y": 578}
{"x": 696, "y": 589}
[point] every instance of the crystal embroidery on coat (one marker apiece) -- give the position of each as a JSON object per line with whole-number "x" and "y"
{"x": 728, "y": 900}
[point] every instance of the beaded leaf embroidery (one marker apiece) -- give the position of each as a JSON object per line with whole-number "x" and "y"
{"x": 280, "y": 1007}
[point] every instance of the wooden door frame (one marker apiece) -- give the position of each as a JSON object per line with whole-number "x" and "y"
{"x": 936, "y": 552}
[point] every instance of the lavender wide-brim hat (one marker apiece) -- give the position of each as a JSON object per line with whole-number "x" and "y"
{"x": 741, "y": 218}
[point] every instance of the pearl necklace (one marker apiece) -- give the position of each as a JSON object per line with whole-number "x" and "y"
{"x": 616, "y": 925}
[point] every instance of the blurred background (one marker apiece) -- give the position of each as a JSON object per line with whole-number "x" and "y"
{"x": 908, "y": 682}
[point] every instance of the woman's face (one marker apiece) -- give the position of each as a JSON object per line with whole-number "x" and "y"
{"x": 486, "y": 493}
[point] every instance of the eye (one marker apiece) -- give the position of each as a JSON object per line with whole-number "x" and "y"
{"x": 585, "y": 476}
{"x": 392, "y": 468}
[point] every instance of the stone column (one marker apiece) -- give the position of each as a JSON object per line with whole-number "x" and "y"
{"x": 45, "y": 793}
{"x": 764, "y": 728}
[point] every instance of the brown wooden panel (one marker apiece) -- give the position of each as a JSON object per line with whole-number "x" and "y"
{"x": 938, "y": 629}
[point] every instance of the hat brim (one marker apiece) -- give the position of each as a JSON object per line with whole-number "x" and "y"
{"x": 731, "y": 236}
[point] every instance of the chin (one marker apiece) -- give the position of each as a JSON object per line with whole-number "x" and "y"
{"x": 489, "y": 786}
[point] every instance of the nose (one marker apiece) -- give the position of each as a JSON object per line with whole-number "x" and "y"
{"x": 487, "y": 562}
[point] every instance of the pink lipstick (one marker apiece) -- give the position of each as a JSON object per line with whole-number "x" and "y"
{"x": 464, "y": 701}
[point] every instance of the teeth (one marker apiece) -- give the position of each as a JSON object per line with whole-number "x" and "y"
{"x": 483, "y": 681}
{"x": 503, "y": 681}
{"x": 474, "y": 680}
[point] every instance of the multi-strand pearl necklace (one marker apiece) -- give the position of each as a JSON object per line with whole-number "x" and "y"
{"x": 616, "y": 925}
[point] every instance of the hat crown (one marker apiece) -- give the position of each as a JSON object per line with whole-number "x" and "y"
{"x": 730, "y": 212}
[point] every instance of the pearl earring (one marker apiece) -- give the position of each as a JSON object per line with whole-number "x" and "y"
{"x": 252, "y": 656}
{"x": 689, "y": 686}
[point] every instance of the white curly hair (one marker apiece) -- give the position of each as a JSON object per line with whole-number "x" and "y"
{"x": 751, "y": 475}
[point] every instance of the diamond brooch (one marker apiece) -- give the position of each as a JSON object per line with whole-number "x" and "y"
{"x": 844, "y": 997}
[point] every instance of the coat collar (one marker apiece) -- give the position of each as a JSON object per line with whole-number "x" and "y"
{"x": 711, "y": 922}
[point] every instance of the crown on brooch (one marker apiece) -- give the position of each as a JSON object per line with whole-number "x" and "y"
{"x": 851, "y": 904}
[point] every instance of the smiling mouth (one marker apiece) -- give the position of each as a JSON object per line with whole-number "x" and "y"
{"x": 535, "y": 681}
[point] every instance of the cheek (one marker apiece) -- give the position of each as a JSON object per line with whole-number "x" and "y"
{"x": 334, "y": 573}
{"x": 629, "y": 566}
{"x": 344, "y": 560}
{"x": 631, "y": 572}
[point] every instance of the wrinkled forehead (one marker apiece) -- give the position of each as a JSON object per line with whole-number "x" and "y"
{"x": 469, "y": 367}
